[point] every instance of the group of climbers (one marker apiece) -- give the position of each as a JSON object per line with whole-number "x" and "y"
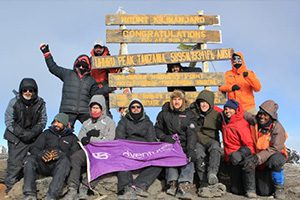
{"x": 253, "y": 141}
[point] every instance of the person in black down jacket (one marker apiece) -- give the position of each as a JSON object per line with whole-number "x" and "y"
{"x": 50, "y": 156}
{"x": 175, "y": 118}
{"x": 136, "y": 125}
{"x": 25, "y": 119}
{"x": 78, "y": 86}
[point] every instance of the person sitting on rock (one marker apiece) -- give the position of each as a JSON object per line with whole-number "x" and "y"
{"x": 238, "y": 144}
{"x": 271, "y": 153}
{"x": 208, "y": 144}
{"x": 175, "y": 118}
{"x": 99, "y": 127}
{"x": 177, "y": 68}
{"x": 50, "y": 156}
{"x": 136, "y": 126}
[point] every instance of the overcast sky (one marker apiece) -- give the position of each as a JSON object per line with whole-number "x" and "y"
{"x": 266, "y": 31}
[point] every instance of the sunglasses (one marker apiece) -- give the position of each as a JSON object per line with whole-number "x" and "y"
{"x": 27, "y": 90}
{"x": 134, "y": 107}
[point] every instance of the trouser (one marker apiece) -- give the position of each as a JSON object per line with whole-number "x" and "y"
{"x": 81, "y": 117}
{"x": 186, "y": 173}
{"x": 16, "y": 156}
{"x": 213, "y": 151}
{"x": 78, "y": 163}
{"x": 240, "y": 180}
{"x": 266, "y": 176}
{"x": 59, "y": 170}
{"x": 145, "y": 178}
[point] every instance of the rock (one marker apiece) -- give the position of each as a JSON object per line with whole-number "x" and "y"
{"x": 3, "y": 165}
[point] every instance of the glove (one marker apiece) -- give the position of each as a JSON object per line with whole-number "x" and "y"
{"x": 47, "y": 156}
{"x": 192, "y": 155}
{"x": 250, "y": 163}
{"x": 235, "y": 158}
{"x": 245, "y": 151}
{"x": 27, "y": 136}
{"x": 44, "y": 48}
{"x": 235, "y": 87}
{"x": 93, "y": 132}
{"x": 85, "y": 140}
{"x": 169, "y": 139}
{"x": 245, "y": 74}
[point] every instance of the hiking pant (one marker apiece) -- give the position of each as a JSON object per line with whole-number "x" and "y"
{"x": 78, "y": 163}
{"x": 212, "y": 150}
{"x": 16, "y": 156}
{"x": 145, "y": 178}
{"x": 81, "y": 117}
{"x": 58, "y": 169}
{"x": 265, "y": 184}
{"x": 240, "y": 180}
{"x": 186, "y": 173}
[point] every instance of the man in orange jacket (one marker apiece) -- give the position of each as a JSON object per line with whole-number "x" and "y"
{"x": 240, "y": 83}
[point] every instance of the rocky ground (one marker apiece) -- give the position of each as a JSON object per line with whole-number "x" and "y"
{"x": 107, "y": 187}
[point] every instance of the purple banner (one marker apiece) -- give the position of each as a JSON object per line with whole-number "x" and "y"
{"x": 126, "y": 155}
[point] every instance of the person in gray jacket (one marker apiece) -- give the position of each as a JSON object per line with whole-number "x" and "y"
{"x": 99, "y": 127}
{"x": 25, "y": 119}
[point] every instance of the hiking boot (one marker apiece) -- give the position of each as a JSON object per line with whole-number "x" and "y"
{"x": 83, "y": 192}
{"x": 183, "y": 191}
{"x": 172, "y": 188}
{"x": 30, "y": 197}
{"x": 129, "y": 194}
{"x": 251, "y": 194}
{"x": 140, "y": 192}
{"x": 212, "y": 179}
{"x": 71, "y": 195}
{"x": 279, "y": 192}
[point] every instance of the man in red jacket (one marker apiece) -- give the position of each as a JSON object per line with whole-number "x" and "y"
{"x": 238, "y": 144}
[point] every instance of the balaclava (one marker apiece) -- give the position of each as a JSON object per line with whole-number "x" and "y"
{"x": 136, "y": 116}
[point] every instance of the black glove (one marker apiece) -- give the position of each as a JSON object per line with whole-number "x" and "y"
{"x": 27, "y": 136}
{"x": 235, "y": 87}
{"x": 245, "y": 151}
{"x": 169, "y": 139}
{"x": 235, "y": 158}
{"x": 192, "y": 155}
{"x": 44, "y": 48}
{"x": 93, "y": 132}
{"x": 85, "y": 140}
{"x": 245, "y": 74}
{"x": 250, "y": 163}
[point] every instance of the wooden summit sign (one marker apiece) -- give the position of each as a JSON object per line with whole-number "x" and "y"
{"x": 156, "y": 99}
{"x": 166, "y": 79}
{"x": 162, "y": 36}
{"x": 162, "y": 20}
{"x": 161, "y": 58}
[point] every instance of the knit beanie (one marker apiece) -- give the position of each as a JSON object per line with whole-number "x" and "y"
{"x": 231, "y": 103}
{"x": 62, "y": 118}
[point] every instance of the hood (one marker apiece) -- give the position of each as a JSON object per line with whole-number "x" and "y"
{"x": 139, "y": 116}
{"x": 207, "y": 96}
{"x": 180, "y": 94}
{"x": 100, "y": 100}
{"x": 271, "y": 108}
{"x": 170, "y": 66}
{"x": 104, "y": 53}
{"x": 82, "y": 58}
{"x": 28, "y": 83}
{"x": 243, "y": 67}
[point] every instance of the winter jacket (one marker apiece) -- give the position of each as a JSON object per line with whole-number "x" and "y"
{"x": 247, "y": 85}
{"x": 236, "y": 133}
{"x": 101, "y": 75}
{"x": 104, "y": 123}
{"x": 64, "y": 141}
{"x": 25, "y": 122}
{"x": 185, "y": 88}
{"x": 207, "y": 124}
{"x": 170, "y": 121}
{"x": 77, "y": 90}
{"x": 274, "y": 135}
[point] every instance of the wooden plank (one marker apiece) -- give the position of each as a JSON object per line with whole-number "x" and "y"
{"x": 156, "y": 99}
{"x": 162, "y": 36}
{"x": 161, "y": 58}
{"x": 166, "y": 79}
{"x": 162, "y": 20}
